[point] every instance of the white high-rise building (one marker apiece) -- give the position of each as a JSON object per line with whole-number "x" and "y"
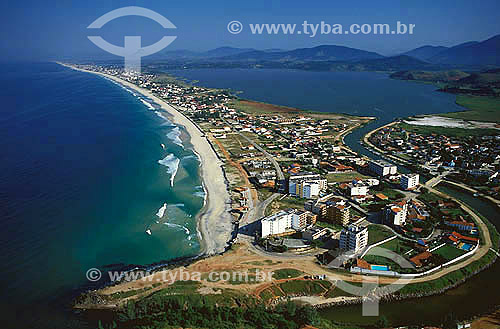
{"x": 354, "y": 238}
{"x": 306, "y": 185}
{"x": 395, "y": 214}
{"x": 277, "y": 223}
{"x": 286, "y": 220}
{"x": 409, "y": 181}
{"x": 382, "y": 168}
{"x": 307, "y": 189}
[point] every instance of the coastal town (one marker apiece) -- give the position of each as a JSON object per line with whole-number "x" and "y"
{"x": 297, "y": 191}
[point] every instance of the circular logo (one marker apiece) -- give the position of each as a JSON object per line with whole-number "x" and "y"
{"x": 234, "y": 27}
{"x": 93, "y": 274}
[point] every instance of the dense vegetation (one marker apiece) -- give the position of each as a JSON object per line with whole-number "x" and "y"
{"x": 160, "y": 311}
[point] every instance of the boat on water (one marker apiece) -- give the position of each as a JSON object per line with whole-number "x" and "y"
{"x": 148, "y": 231}
{"x": 163, "y": 146}
{"x": 162, "y": 210}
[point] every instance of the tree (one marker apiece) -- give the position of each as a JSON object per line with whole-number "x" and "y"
{"x": 382, "y": 322}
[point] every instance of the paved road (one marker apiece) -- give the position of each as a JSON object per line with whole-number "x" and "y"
{"x": 279, "y": 172}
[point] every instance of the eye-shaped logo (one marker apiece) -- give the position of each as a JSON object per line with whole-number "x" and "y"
{"x": 132, "y": 50}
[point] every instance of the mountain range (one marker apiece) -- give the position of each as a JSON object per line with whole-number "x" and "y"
{"x": 474, "y": 55}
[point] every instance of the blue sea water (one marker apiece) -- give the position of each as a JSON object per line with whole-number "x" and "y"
{"x": 82, "y": 176}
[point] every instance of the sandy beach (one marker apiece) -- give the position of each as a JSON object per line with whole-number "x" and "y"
{"x": 214, "y": 219}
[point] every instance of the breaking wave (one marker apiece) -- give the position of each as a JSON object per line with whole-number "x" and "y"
{"x": 149, "y": 105}
{"x": 172, "y": 163}
{"x": 174, "y": 136}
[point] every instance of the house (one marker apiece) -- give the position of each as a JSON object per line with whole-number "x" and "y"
{"x": 461, "y": 225}
{"x": 421, "y": 259}
{"x": 457, "y": 237}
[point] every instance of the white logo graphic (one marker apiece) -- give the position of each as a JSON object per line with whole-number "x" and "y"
{"x": 132, "y": 50}
{"x": 234, "y": 27}
{"x": 93, "y": 274}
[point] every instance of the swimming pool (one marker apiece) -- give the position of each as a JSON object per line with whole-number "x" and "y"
{"x": 466, "y": 246}
{"x": 379, "y": 268}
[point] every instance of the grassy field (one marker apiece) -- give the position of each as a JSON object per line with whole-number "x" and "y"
{"x": 481, "y": 108}
{"x": 396, "y": 245}
{"x": 429, "y": 197}
{"x": 378, "y": 233}
{"x": 451, "y": 132}
{"x": 344, "y": 177}
{"x": 379, "y": 260}
{"x": 256, "y": 108}
{"x": 285, "y": 203}
{"x": 335, "y": 227}
{"x": 449, "y": 252}
{"x": 286, "y": 273}
{"x": 253, "y": 107}
{"x": 392, "y": 194}
{"x": 315, "y": 287}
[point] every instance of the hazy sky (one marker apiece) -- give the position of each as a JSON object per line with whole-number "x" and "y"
{"x": 33, "y": 30}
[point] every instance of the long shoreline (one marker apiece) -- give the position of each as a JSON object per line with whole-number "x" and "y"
{"x": 214, "y": 220}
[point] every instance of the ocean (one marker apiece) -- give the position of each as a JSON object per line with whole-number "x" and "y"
{"x": 83, "y": 175}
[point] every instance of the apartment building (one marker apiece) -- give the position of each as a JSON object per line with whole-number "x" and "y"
{"x": 382, "y": 168}
{"x": 409, "y": 181}
{"x": 339, "y": 213}
{"x": 396, "y": 214}
{"x": 354, "y": 238}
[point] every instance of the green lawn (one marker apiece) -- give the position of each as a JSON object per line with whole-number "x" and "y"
{"x": 286, "y": 273}
{"x": 378, "y": 233}
{"x": 450, "y": 132}
{"x": 379, "y": 260}
{"x": 449, "y": 252}
{"x": 334, "y": 227}
{"x": 481, "y": 108}
{"x": 429, "y": 197}
{"x": 391, "y": 193}
{"x": 315, "y": 287}
{"x": 397, "y": 246}
{"x": 285, "y": 203}
{"x": 344, "y": 177}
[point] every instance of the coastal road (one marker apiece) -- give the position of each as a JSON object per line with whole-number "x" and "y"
{"x": 436, "y": 180}
{"x": 382, "y": 153}
{"x": 275, "y": 163}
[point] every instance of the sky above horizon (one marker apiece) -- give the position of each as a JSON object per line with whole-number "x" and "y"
{"x": 37, "y": 30}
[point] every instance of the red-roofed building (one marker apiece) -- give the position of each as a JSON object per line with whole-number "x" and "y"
{"x": 421, "y": 258}
{"x": 460, "y": 237}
